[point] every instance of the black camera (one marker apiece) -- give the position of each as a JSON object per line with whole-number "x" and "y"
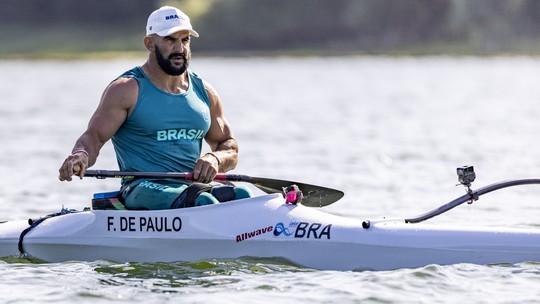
{"x": 466, "y": 175}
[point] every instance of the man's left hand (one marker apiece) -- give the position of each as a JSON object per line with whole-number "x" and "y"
{"x": 206, "y": 168}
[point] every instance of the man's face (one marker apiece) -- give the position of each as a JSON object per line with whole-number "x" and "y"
{"x": 173, "y": 53}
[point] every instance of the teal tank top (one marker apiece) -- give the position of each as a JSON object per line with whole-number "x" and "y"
{"x": 164, "y": 132}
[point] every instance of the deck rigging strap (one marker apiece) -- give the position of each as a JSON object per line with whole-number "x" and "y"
{"x": 33, "y": 223}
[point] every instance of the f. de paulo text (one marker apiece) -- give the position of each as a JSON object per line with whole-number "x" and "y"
{"x": 144, "y": 224}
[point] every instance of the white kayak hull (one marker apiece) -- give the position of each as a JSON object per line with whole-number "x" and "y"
{"x": 264, "y": 227}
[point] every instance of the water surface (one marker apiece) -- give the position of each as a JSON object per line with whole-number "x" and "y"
{"x": 388, "y": 131}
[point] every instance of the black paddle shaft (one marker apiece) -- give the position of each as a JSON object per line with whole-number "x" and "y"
{"x": 314, "y": 196}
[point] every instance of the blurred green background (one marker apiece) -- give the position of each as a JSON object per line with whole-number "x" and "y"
{"x": 75, "y": 28}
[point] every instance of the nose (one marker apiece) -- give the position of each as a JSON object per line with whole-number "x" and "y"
{"x": 178, "y": 47}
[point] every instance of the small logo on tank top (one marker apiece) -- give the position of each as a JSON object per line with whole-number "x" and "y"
{"x": 179, "y": 134}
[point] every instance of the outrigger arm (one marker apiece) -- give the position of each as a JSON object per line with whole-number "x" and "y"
{"x": 466, "y": 177}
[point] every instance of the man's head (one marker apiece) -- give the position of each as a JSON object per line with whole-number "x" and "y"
{"x": 168, "y": 20}
{"x": 168, "y": 38}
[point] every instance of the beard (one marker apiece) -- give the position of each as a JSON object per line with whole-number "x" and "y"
{"x": 167, "y": 66}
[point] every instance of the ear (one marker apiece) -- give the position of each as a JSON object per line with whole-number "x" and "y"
{"x": 149, "y": 43}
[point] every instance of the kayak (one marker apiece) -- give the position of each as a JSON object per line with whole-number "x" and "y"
{"x": 264, "y": 226}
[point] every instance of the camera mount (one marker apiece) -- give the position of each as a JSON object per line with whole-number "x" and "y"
{"x": 466, "y": 176}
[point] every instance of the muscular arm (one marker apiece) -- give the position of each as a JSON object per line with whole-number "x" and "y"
{"x": 220, "y": 138}
{"x": 115, "y": 106}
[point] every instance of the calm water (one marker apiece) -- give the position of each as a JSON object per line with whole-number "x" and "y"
{"x": 390, "y": 132}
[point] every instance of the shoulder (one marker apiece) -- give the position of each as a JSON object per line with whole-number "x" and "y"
{"x": 206, "y": 87}
{"x": 199, "y": 82}
{"x": 124, "y": 83}
{"x": 210, "y": 90}
{"x": 213, "y": 98}
{"x": 122, "y": 91}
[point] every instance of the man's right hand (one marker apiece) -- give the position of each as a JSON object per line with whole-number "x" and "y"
{"x": 75, "y": 164}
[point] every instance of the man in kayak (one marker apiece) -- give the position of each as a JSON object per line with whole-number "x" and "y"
{"x": 157, "y": 116}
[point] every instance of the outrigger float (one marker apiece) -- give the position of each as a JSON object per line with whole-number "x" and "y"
{"x": 269, "y": 226}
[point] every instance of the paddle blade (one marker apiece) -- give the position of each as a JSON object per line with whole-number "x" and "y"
{"x": 314, "y": 196}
